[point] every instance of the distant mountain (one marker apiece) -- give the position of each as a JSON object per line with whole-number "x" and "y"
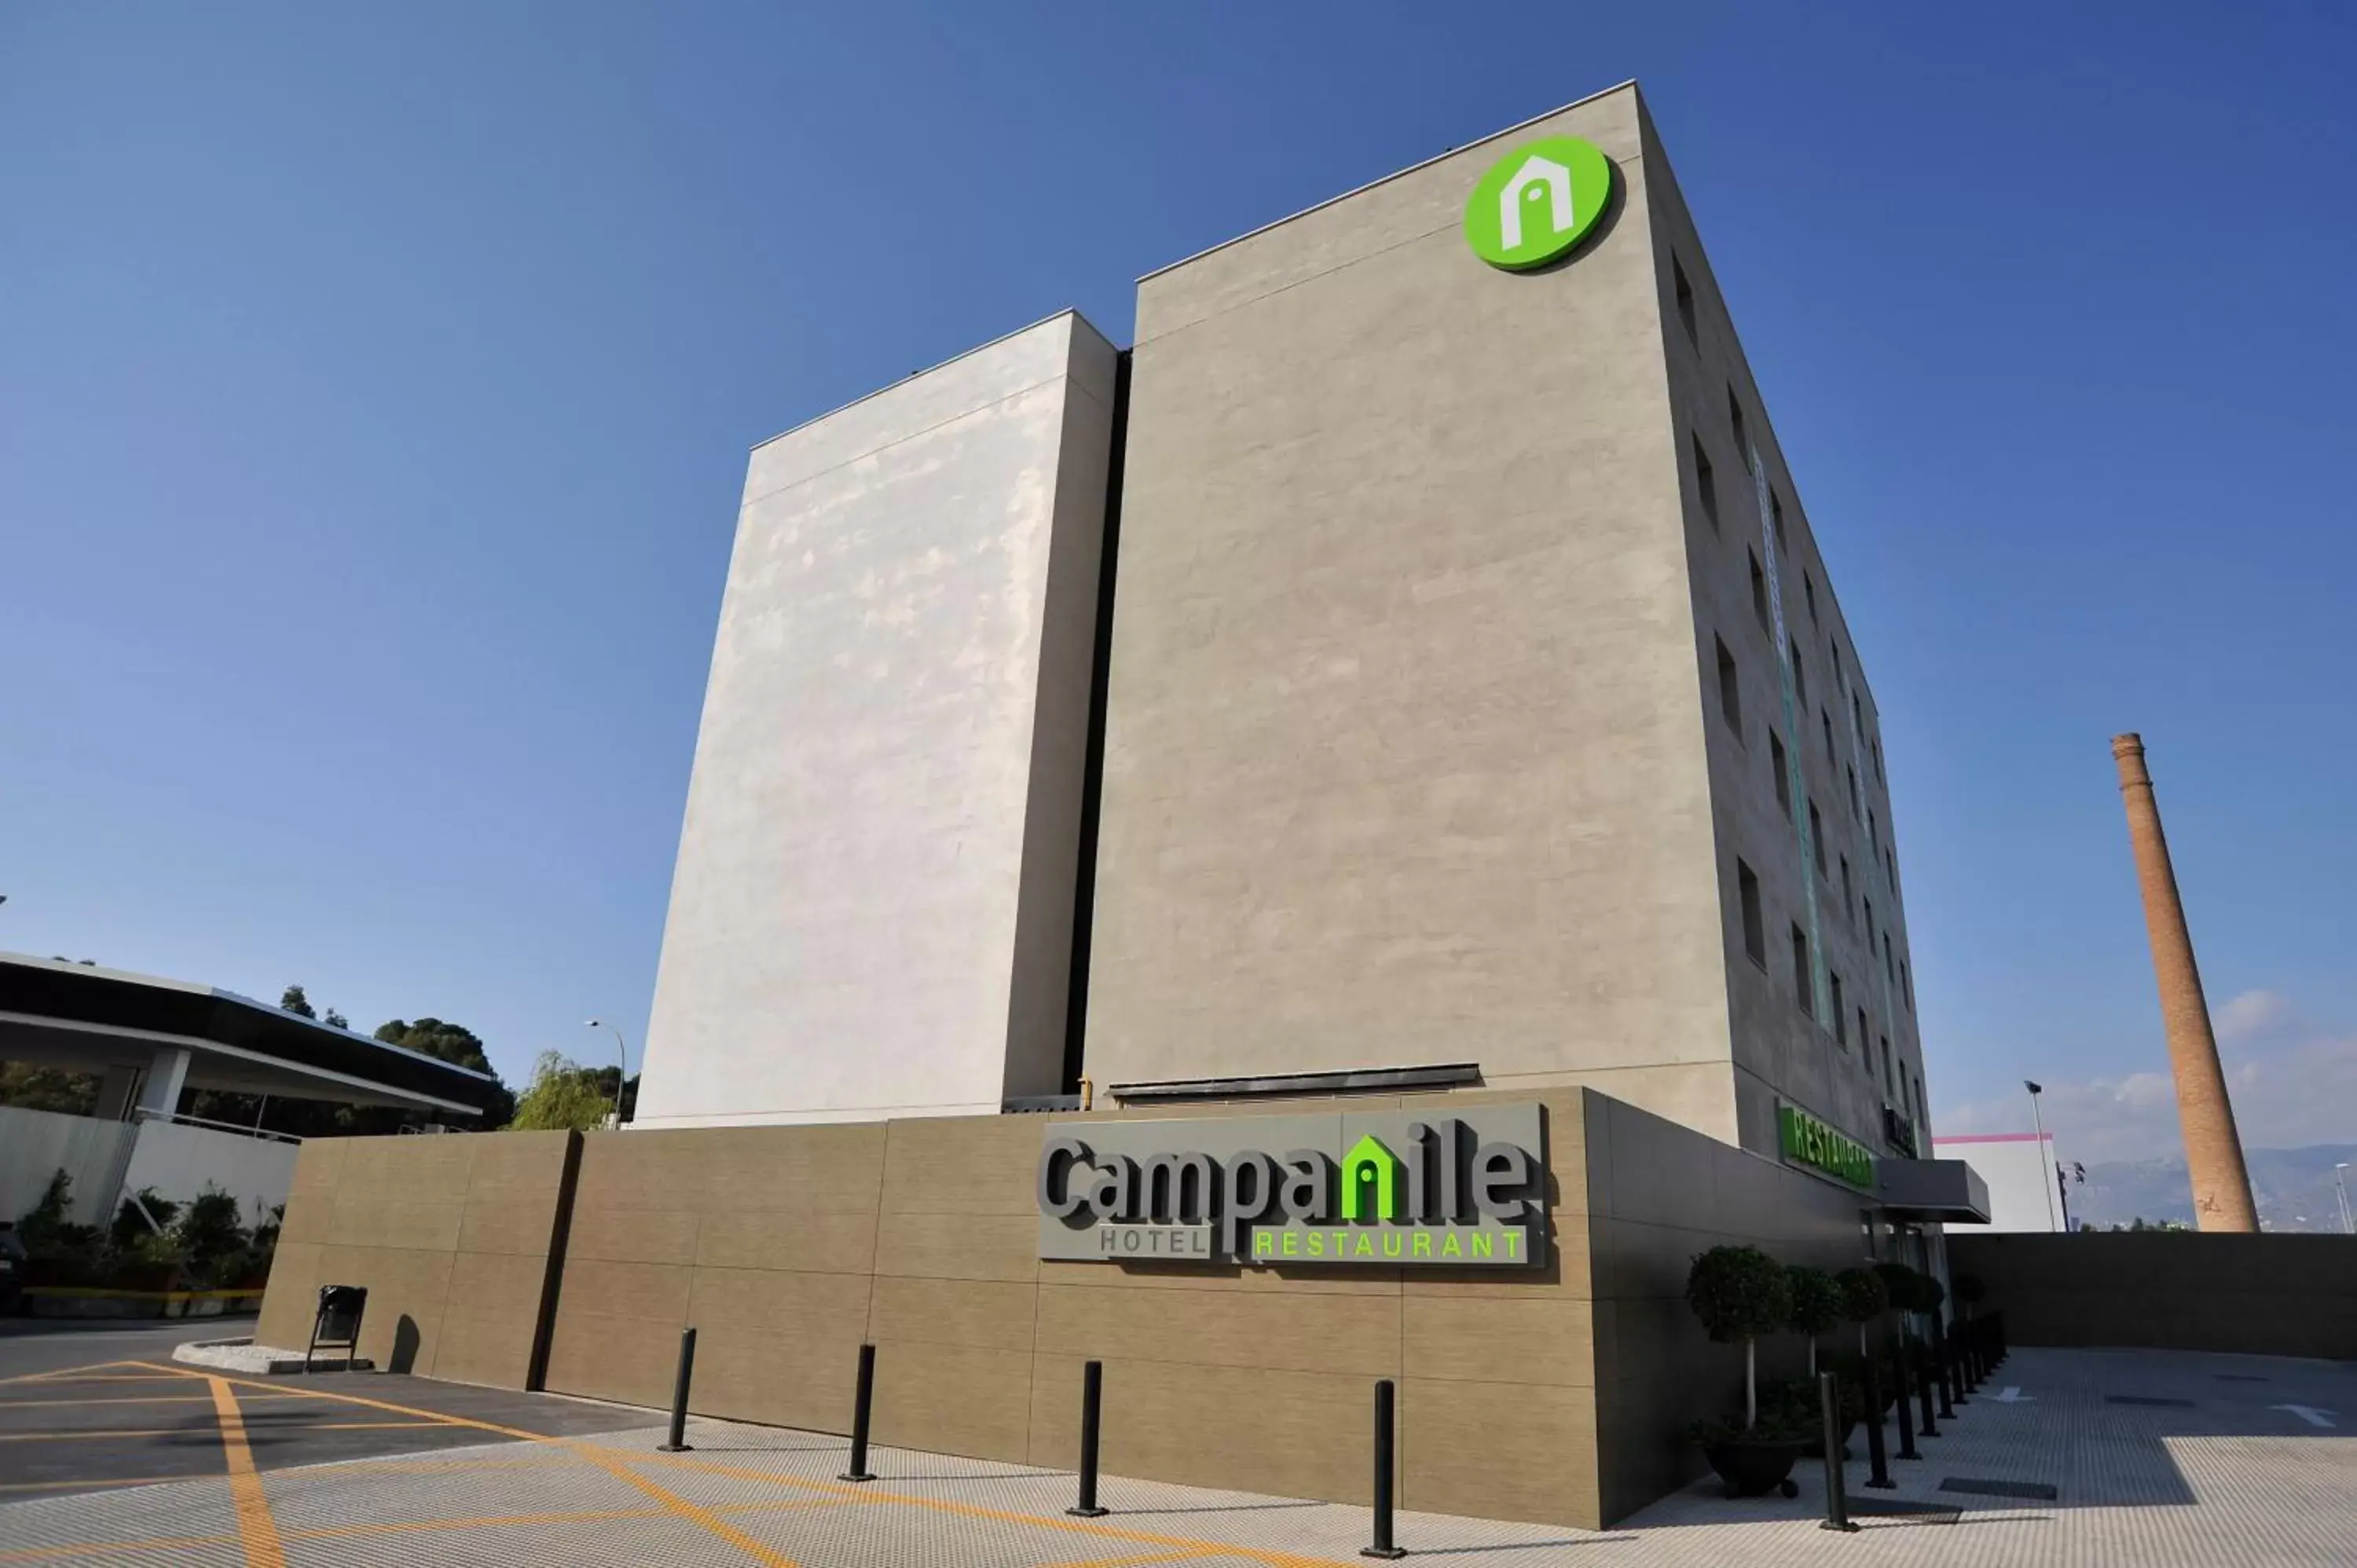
{"x": 2293, "y": 1189}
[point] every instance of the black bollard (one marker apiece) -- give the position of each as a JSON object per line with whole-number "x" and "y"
{"x": 1954, "y": 1354}
{"x": 1880, "y": 1478}
{"x": 1091, "y": 1391}
{"x": 1837, "y": 1491}
{"x": 1941, "y": 1377}
{"x": 1906, "y": 1422}
{"x": 1921, "y": 1372}
{"x": 1381, "y": 1546}
{"x": 858, "y": 1471}
{"x": 678, "y": 1443}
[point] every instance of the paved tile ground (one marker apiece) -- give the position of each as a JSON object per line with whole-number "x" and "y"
{"x": 2225, "y": 1478}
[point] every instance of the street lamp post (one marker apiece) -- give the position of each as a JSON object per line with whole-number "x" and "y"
{"x": 2037, "y": 1117}
{"x": 2340, "y": 1187}
{"x": 622, "y": 1053}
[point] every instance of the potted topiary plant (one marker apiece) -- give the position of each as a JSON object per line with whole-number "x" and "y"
{"x": 1970, "y": 1291}
{"x": 1816, "y": 1305}
{"x": 1740, "y": 1294}
{"x": 1865, "y": 1298}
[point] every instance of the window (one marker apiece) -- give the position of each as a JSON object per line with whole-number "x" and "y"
{"x": 1837, "y": 669}
{"x": 1817, "y": 837}
{"x": 1809, "y": 587}
{"x": 1849, "y": 893}
{"x": 1760, "y": 594}
{"x": 1800, "y": 971}
{"x": 1856, "y": 714}
{"x": 1734, "y": 421}
{"x": 1906, "y": 986}
{"x": 1776, "y": 515}
{"x": 1799, "y": 680}
{"x": 1754, "y": 928}
{"x": 1890, "y": 854}
{"x": 1922, "y": 1111}
{"x": 1862, "y": 1036}
{"x": 1886, "y": 1058}
{"x": 1705, "y": 485}
{"x": 1730, "y": 692}
{"x": 1841, "y": 1023}
{"x": 1873, "y": 836}
{"x": 1783, "y": 782}
{"x": 1878, "y": 778}
{"x": 1888, "y": 977}
{"x": 1685, "y": 299}
{"x": 1827, "y": 720}
{"x": 1854, "y": 813}
{"x": 1869, "y": 933}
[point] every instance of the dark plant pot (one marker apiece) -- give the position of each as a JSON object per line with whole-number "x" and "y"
{"x": 1751, "y": 1469}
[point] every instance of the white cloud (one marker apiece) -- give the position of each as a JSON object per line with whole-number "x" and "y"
{"x": 2292, "y": 1085}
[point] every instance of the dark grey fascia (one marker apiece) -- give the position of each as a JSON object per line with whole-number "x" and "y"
{"x": 1290, "y": 1085}
{"x": 1930, "y": 1190}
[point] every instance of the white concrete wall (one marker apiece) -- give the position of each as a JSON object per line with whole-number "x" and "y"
{"x": 36, "y": 1144}
{"x": 872, "y": 907}
{"x": 181, "y": 1162}
{"x": 2019, "y": 1170}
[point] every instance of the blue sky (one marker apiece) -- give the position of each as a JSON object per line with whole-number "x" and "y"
{"x": 375, "y": 386}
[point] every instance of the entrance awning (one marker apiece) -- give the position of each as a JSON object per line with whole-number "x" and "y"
{"x": 1927, "y": 1191}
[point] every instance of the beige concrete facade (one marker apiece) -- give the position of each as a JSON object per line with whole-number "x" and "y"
{"x": 1416, "y": 750}
{"x": 872, "y": 911}
{"x": 1557, "y": 1394}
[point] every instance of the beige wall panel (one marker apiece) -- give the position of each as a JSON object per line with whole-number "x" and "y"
{"x": 972, "y": 1314}
{"x": 506, "y": 1285}
{"x": 634, "y": 1235}
{"x": 657, "y": 1292}
{"x": 1214, "y": 1277}
{"x": 764, "y": 1301}
{"x": 311, "y": 1215}
{"x": 959, "y": 1246}
{"x": 516, "y": 1168}
{"x": 1497, "y": 1451}
{"x": 1293, "y": 1332}
{"x": 433, "y": 1171}
{"x": 599, "y": 1355}
{"x": 365, "y": 1220}
{"x": 840, "y": 1242}
{"x": 780, "y": 1381}
{"x": 290, "y": 1304}
{"x": 491, "y": 1349}
{"x": 967, "y": 1164}
{"x": 807, "y": 1168}
{"x": 318, "y": 1167}
{"x": 953, "y": 1399}
{"x": 1301, "y": 1434}
{"x": 656, "y": 1169}
{"x": 1512, "y": 1340}
{"x": 513, "y": 1226}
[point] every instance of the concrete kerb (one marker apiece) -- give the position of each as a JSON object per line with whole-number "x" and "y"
{"x": 245, "y": 1355}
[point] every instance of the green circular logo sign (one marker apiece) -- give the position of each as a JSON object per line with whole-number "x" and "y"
{"x": 1537, "y": 202}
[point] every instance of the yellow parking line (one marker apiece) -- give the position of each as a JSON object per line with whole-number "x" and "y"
{"x": 99, "y": 1432}
{"x": 696, "y": 1513}
{"x": 111, "y": 1481}
{"x": 257, "y": 1531}
{"x": 109, "y": 1399}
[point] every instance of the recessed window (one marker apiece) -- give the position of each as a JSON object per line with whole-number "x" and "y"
{"x": 1783, "y": 782}
{"x": 1837, "y": 669}
{"x": 1862, "y": 1036}
{"x": 1730, "y": 692}
{"x": 1922, "y": 1111}
{"x": 1735, "y": 422}
{"x": 1809, "y": 587}
{"x": 1827, "y": 720}
{"x": 1906, "y": 986}
{"x": 1776, "y": 515}
{"x": 1755, "y": 926}
{"x": 1856, "y": 714}
{"x": 1800, "y": 679}
{"x": 1878, "y": 778}
{"x": 1886, "y": 1057}
{"x": 1800, "y": 971}
{"x": 1891, "y": 858}
{"x": 1817, "y": 836}
{"x": 1873, "y": 838}
{"x": 1854, "y": 813}
{"x": 1850, "y": 892}
{"x": 1888, "y": 977}
{"x": 1705, "y": 483}
{"x": 1867, "y": 1057}
{"x": 1685, "y": 299}
{"x": 1760, "y": 594}
{"x": 1841, "y": 1023}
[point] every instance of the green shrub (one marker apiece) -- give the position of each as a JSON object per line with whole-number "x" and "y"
{"x": 1816, "y": 1305}
{"x": 1740, "y": 1294}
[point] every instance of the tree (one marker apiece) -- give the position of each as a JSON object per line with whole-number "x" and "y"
{"x": 335, "y": 1020}
{"x": 456, "y": 1043}
{"x": 48, "y": 1089}
{"x": 292, "y": 1000}
{"x": 1816, "y": 1305}
{"x": 1864, "y": 1299}
{"x": 563, "y": 1094}
{"x": 1740, "y": 1294}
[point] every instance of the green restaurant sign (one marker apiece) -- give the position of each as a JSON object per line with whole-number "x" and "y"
{"x": 1809, "y": 1142}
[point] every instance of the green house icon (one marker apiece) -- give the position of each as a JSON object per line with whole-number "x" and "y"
{"x": 1370, "y": 1164}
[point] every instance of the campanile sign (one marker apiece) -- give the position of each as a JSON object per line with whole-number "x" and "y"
{"x": 1392, "y": 1189}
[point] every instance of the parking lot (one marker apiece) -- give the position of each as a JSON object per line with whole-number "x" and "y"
{"x": 112, "y": 1454}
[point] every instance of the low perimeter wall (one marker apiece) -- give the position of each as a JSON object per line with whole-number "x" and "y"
{"x": 2174, "y": 1290}
{"x": 1558, "y": 1395}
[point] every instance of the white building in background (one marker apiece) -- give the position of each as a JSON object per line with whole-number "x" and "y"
{"x": 2020, "y": 1168}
